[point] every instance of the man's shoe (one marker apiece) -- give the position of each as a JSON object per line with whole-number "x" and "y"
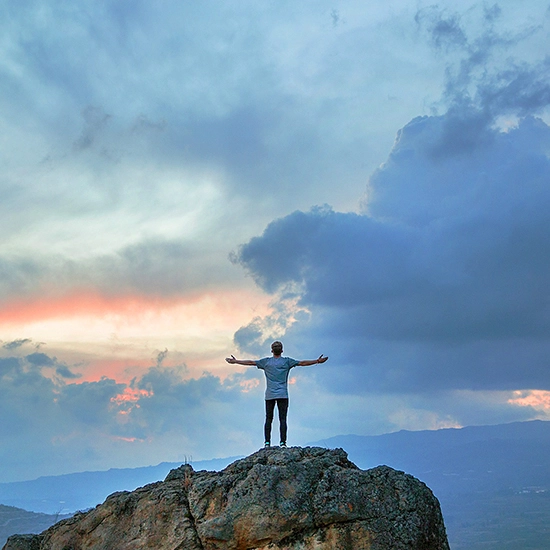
{"x": 267, "y": 444}
{"x": 283, "y": 444}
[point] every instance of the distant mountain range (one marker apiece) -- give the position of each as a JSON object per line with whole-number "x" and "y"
{"x": 493, "y": 482}
{"x": 80, "y": 491}
{"x": 14, "y": 520}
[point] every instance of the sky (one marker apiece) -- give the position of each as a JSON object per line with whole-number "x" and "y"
{"x": 185, "y": 180}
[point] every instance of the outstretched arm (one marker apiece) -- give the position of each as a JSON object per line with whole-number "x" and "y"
{"x": 313, "y": 362}
{"x": 247, "y": 362}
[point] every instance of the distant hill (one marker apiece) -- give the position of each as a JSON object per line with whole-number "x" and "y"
{"x": 493, "y": 482}
{"x": 79, "y": 491}
{"x": 14, "y": 520}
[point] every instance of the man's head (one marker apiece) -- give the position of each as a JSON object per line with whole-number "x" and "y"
{"x": 277, "y": 347}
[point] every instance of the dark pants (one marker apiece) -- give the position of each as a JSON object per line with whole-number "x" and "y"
{"x": 282, "y": 405}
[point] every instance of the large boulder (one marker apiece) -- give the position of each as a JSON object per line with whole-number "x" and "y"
{"x": 295, "y": 498}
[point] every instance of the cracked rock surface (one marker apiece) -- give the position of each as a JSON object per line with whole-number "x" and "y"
{"x": 297, "y": 498}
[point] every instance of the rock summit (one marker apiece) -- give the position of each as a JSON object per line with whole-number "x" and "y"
{"x": 297, "y": 498}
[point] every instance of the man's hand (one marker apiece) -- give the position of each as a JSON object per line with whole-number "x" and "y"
{"x": 322, "y": 359}
{"x": 231, "y": 359}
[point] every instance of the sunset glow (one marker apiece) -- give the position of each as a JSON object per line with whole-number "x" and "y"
{"x": 121, "y": 337}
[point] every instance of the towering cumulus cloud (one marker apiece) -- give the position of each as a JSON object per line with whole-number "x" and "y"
{"x": 440, "y": 281}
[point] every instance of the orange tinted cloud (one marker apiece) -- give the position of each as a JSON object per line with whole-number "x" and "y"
{"x": 130, "y": 395}
{"x": 538, "y": 399}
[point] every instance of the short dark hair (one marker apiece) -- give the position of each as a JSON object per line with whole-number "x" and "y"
{"x": 277, "y": 346}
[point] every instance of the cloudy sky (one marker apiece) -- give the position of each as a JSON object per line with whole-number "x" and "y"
{"x": 183, "y": 180}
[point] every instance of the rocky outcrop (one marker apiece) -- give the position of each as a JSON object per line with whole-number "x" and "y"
{"x": 296, "y": 498}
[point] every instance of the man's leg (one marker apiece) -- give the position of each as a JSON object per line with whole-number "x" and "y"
{"x": 282, "y": 405}
{"x": 269, "y": 408}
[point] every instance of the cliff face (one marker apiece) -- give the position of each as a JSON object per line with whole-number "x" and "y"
{"x": 295, "y": 498}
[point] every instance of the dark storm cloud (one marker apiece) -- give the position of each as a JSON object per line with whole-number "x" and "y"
{"x": 442, "y": 282}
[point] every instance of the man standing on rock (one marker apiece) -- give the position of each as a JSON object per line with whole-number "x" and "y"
{"x": 276, "y": 370}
